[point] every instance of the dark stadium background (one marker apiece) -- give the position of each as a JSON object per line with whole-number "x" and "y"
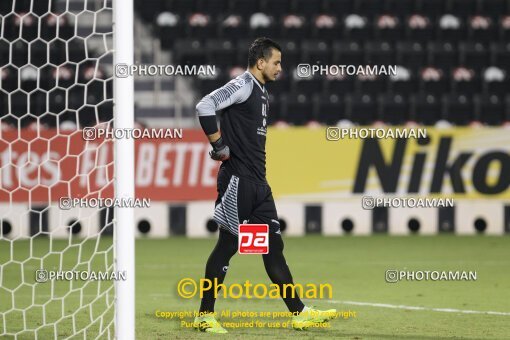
{"x": 453, "y": 58}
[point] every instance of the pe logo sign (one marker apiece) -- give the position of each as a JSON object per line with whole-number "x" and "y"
{"x": 253, "y": 239}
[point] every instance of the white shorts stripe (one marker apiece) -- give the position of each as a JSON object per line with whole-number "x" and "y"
{"x": 225, "y": 213}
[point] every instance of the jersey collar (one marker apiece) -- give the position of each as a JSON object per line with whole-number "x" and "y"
{"x": 257, "y": 82}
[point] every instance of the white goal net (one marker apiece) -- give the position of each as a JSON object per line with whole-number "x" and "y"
{"x": 57, "y": 257}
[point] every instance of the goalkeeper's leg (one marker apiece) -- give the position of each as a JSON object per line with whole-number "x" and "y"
{"x": 217, "y": 266}
{"x": 279, "y": 272}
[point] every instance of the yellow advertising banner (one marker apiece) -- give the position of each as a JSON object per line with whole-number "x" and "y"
{"x": 332, "y": 163}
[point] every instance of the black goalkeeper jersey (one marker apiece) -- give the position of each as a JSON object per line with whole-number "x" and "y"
{"x": 243, "y": 122}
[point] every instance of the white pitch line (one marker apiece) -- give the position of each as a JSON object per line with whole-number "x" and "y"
{"x": 444, "y": 310}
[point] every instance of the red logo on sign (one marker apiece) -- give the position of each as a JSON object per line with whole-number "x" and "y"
{"x": 253, "y": 239}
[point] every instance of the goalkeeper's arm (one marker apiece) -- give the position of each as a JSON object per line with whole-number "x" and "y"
{"x": 235, "y": 91}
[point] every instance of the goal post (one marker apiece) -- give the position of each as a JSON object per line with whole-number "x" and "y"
{"x": 124, "y": 170}
{"x": 57, "y": 78}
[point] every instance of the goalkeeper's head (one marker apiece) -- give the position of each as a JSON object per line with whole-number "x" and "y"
{"x": 265, "y": 59}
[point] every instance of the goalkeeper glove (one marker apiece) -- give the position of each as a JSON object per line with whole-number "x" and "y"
{"x": 220, "y": 151}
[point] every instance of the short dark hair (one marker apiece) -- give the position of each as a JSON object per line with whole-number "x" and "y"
{"x": 261, "y": 48}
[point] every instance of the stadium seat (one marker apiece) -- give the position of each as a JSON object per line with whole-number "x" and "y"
{"x": 291, "y": 55}
{"x": 493, "y": 8}
{"x": 434, "y": 81}
{"x": 222, "y": 53}
{"x": 276, "y": 7}
{"x": 329, "y": 108}
{"x": 490, "y": 109}
{"x": 325, "y": 27}
{"x": 28, "y": 78}
{"x": 431, "y": 8}
{"x": 38, "y": 53}
{"x": 95, "y": 92}
{"x": 29, "y": 27}
{"x": 379, "y": 53}
{"x": 401, "y": 8}
{"x": 184, "y": 7}
{"x": 362, "y": 108}
{"x": 105, "y": 110}
{"x": 442, "y": 55}
{"x": 200, "y": 26}
{"x": 214, "y": 7}
{"x": 410, "y": 54}
{"x": 57, "y": 52}
{"x": 297, "y": 108}
{"x": 459, "y": 109}
{"x": 473, "y": 55}
{"x": 462, "y": 8}
{"x": 419, "y": 28}
{"x": 76, "y": 96}
{"x": 426, "y": 109}
{"x": 57, "y": 100}
{"x": 263, "y": 25}
{"x": 76, "y": 50}
{"x": 5, "y": 7}
{"x": 9, "y": 78}
{"x": 19, "y": 51}
{"x": 395, "y": 109}
{"x": 500, "y": 54}
{"x": 65, "y": 29}
{"x": 8, "y": 21}
{"x": 388, "y": 28}
{"x": 369, "y": 8}
{"x": 169, "y": 27}
{"x": 148, "y": 9}
{"x": 339, "y": 7}
{"x": 316, "y": 52}
{"x": 347, "y": 53}
{"x": 481, "y": 29}
{"x": 49, "y": 24}
{"x": 357, "y": 28}
{"x": 47, "y": 79}
{"x": 245, "y": 7}
{"x": 496, "y": 81}
{"x": 451, "y": 28}
{"x": 307, "y": 7}
{"x": 190, "y": 52}
{"x": 295, "y": 27}
{"x": 405, "y": 83}
{"x": 21, "y": 6}
{"x": 38, "y": 101}
{"x": 504, "y": 28}
{"x": 465, "y": 81}
{"x": 233, "y": 27}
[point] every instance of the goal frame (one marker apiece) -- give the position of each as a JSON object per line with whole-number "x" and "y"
{"x": 124, "y": 232}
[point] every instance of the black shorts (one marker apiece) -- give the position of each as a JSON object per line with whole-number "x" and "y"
{"x": 242, "y": 201}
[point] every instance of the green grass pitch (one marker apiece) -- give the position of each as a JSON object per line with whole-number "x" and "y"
{"x": 354, "y": 266}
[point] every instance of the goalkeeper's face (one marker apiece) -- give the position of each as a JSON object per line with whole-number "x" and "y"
{"x": 273, "y": 66}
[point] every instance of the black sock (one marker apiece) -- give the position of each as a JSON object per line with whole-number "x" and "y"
{"x": 217, "y": 266}
{"x": 274, "y": 262}
{"x": 279, "y": 272}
